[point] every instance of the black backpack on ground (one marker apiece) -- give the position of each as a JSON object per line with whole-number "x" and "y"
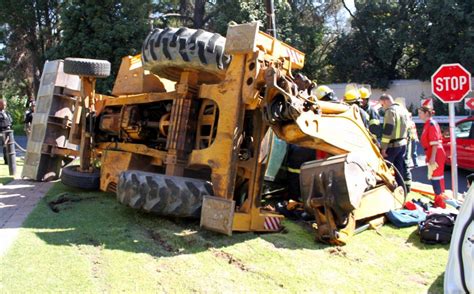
{"x": 437, "y": 228}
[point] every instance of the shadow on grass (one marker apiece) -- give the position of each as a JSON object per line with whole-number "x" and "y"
{"x": 5, "y": 179}
{"x": 97, "y": 219}
{"x": 438, "y": 285}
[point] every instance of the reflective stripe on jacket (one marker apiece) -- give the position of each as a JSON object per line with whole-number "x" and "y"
{"x": 395, "y": 126}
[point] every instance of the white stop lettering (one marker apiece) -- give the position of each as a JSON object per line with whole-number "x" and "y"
{"x": 450, "y": 83}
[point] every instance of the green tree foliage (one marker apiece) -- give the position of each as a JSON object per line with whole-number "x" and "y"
{"x": 107, "y": 30}
{"x": 406, "y": 39}
{"x": 379, "y": 47}
{"x": 30, "y": 31}
{"x": 447, "y": 36}
{"x": 194, "y": 14}
{"x": 16, "y": 102}
{"x": 302, "y": 24}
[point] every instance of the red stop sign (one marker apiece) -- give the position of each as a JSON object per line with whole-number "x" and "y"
{"x": 451, "y": 82}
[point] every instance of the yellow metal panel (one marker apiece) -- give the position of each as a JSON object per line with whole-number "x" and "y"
{"x": 253, "y": 221}
{"x": 378, "y": 201}
{"x": 132, "y": 79}
{"x": 157, "y": 155}
{"x": 140, "y": 98}
{"x": 241, "y": 222}
{"x": 281, "y": 50}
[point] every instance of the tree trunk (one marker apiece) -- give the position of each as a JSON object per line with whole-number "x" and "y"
{"x": 199, "y": 11}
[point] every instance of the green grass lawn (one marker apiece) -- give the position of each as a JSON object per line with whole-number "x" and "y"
{"x": 94, "y": 244}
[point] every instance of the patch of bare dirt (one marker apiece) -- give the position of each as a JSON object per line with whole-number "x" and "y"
{"x": 418, "y": 279}
{"x": 337, "y": 251}
{"x": 230, "y": 259}
{"x": 63, "y": 201}
{"x": 161, "y": 242}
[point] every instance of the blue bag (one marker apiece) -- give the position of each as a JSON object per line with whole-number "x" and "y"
{"x": 404, "y": 218}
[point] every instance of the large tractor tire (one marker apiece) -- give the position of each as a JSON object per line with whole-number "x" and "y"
{"x": 72, "y": 177}
{"x": 162, "y": 195}
{"x": 87, "y": 67}
{"x": 167, "y": 52}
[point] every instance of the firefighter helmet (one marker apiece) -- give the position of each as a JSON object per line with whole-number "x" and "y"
{"x": 364, "y": 93}
{"x": 351, "y": 96}
{"x": 325, "y": 93}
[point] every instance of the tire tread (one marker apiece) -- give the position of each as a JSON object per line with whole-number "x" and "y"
{"x": 87, "y": 67}
{"x": 162, "y": 195}
{"x": 167, "y": 52}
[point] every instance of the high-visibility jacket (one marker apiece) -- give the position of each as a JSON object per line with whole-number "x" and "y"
{"x": 395, "y": 127}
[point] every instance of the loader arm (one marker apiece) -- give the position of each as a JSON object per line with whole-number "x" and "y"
{"x": 354, "y": 184}
{"x": 335, "y": 128}
{"x": 343, "y": 189}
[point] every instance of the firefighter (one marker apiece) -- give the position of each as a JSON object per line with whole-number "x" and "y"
{"x": 394, "y": 138}
{"x": 324, "y": 93}
{"x": 352, "y": 97}
{"x": 5, "y": 124}
{"x": 375, "y": 126}
{"x": 296, "y": 156}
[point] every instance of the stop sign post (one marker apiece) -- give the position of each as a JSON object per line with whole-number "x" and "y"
{"x": 451, "y": 83}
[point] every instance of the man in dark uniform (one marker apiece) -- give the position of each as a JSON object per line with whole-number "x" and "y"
{"x": 375, "y": 126}
{"x": 296, "y": 156}
{"x": 5, "y": 124}
{"x": 29, "y": 118}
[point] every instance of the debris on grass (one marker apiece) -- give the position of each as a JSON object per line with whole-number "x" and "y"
{"x": 418, "y": 279}
{"x": 337, "y": 251}
{"x": 230, "y": 259}
{"x": 160, "y": 241}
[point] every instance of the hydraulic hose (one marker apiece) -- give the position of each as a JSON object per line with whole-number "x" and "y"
{"x": 400, "y": 175}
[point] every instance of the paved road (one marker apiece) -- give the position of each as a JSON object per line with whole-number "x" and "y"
{"x": 419, "y": 174}
{"x": 21, "y": 140}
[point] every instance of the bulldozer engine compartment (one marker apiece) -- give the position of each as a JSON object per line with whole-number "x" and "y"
{"x": 193, "y": 124}
{"x": 149, "y": 124}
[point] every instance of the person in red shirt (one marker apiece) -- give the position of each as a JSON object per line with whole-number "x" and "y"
{"x": 435, "y": 155}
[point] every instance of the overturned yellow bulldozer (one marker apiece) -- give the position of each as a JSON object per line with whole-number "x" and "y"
{"x": 185, "y": 133}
